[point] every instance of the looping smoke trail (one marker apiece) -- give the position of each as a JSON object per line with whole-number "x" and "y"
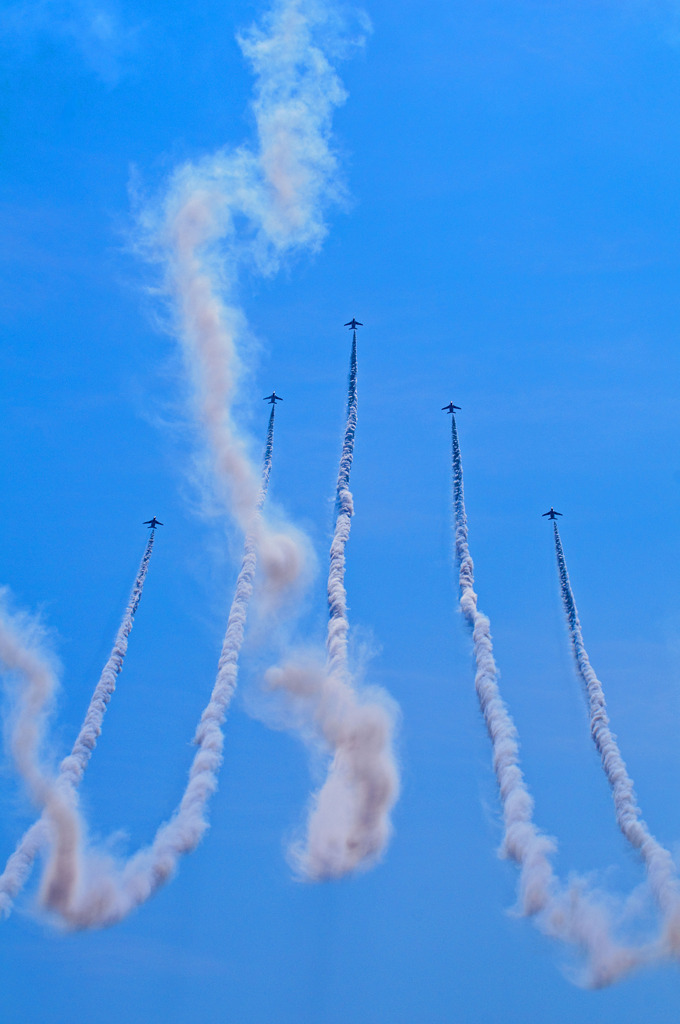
{"x": 88, "y": 889}
{"x": 72, "y": 768}
{"x": 570, "y": 916}
{"x": 349, "y": 822}
{"x": 658, "y": 861}
{"x": 20, "y": 657}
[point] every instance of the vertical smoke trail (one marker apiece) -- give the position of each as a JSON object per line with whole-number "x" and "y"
{"x": 338, "y": 625}
{"x": 658, "y": 861}
{"x": 72, "y": 768}
{"x": 91, "y": 891}
{"x": 349, "y": 822}
{"x": 566, "y": 915}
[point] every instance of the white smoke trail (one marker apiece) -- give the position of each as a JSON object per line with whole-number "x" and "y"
{"x": 349, "y": 822}
{"x": 84, "y": 887}
{"x": 569, "y": 915}
{"x": 658, "y": 861}
{"x": 72, "y": 768}
{"x": 251, "y": 206}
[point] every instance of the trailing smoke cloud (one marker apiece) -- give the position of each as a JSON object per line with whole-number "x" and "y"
{"x": 86, "y": 887}
{"x": 658, "y": 861}
{"x": 73, "y": 767}
{"x": 571, "y": 915}
{"x": 349, "y": 824}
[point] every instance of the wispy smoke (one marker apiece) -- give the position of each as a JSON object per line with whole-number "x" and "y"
{"x": 21, "y": 658}
{"x": 349, "y": 822}
{"x": 251, "y": 207}
{"x": 571, "y": 915}
{"x": 72, "y": 768}
{"x": 658, "y": 861}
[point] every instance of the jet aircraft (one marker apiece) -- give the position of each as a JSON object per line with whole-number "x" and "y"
{"x": 450, "y": 407}
{"x": 552, "y": 513}
{"x": 353, "y": 324}
{"x": 152, "y": 523}
{"x": 273, "y": 398}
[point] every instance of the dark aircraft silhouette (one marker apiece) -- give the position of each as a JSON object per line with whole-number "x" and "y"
{"x": 273, "y": 398}
{"x": 152, "y": 523}
{"x": 552, "y": 513}
{"x": 353, "y": 324}
{"x": 450, "y": 407}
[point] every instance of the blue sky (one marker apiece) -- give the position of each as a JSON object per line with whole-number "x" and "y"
{"x": 510, "y": 243}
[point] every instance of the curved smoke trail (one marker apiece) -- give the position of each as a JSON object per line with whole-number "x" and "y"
{"x": 72, "y": 768}
{"x": 349, "y": 821}
{"x": 566, "y": 915}
{"x": 658, "y": 861}
{"x": 86, "y": 888}
{"x": 251, "y": 206}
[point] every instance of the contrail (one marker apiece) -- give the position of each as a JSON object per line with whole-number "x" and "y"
{"x": 568, "y": 915}
{"x": 86, "y": 888}
{"x": 72, "y": 768}
{"x": 658, "y": 861}
{"x": 349, "y": 822}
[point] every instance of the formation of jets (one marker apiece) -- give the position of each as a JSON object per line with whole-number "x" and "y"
{"x": 551, "y": 513}
{"x": 274, "y": 398}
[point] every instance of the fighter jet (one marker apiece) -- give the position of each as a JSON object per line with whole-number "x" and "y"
{"x": 152, "y": 523}
{"x": 353, "y": 324}
{"x": 273, "y": 398}
{"x": 450, "y": 407}
{"x": 552, "y": 513}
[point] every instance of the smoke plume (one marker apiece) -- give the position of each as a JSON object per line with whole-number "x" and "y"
{"x": 349, "y": 821}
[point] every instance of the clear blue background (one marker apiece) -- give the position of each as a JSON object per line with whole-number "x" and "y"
{"x": 512, "y": 244}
